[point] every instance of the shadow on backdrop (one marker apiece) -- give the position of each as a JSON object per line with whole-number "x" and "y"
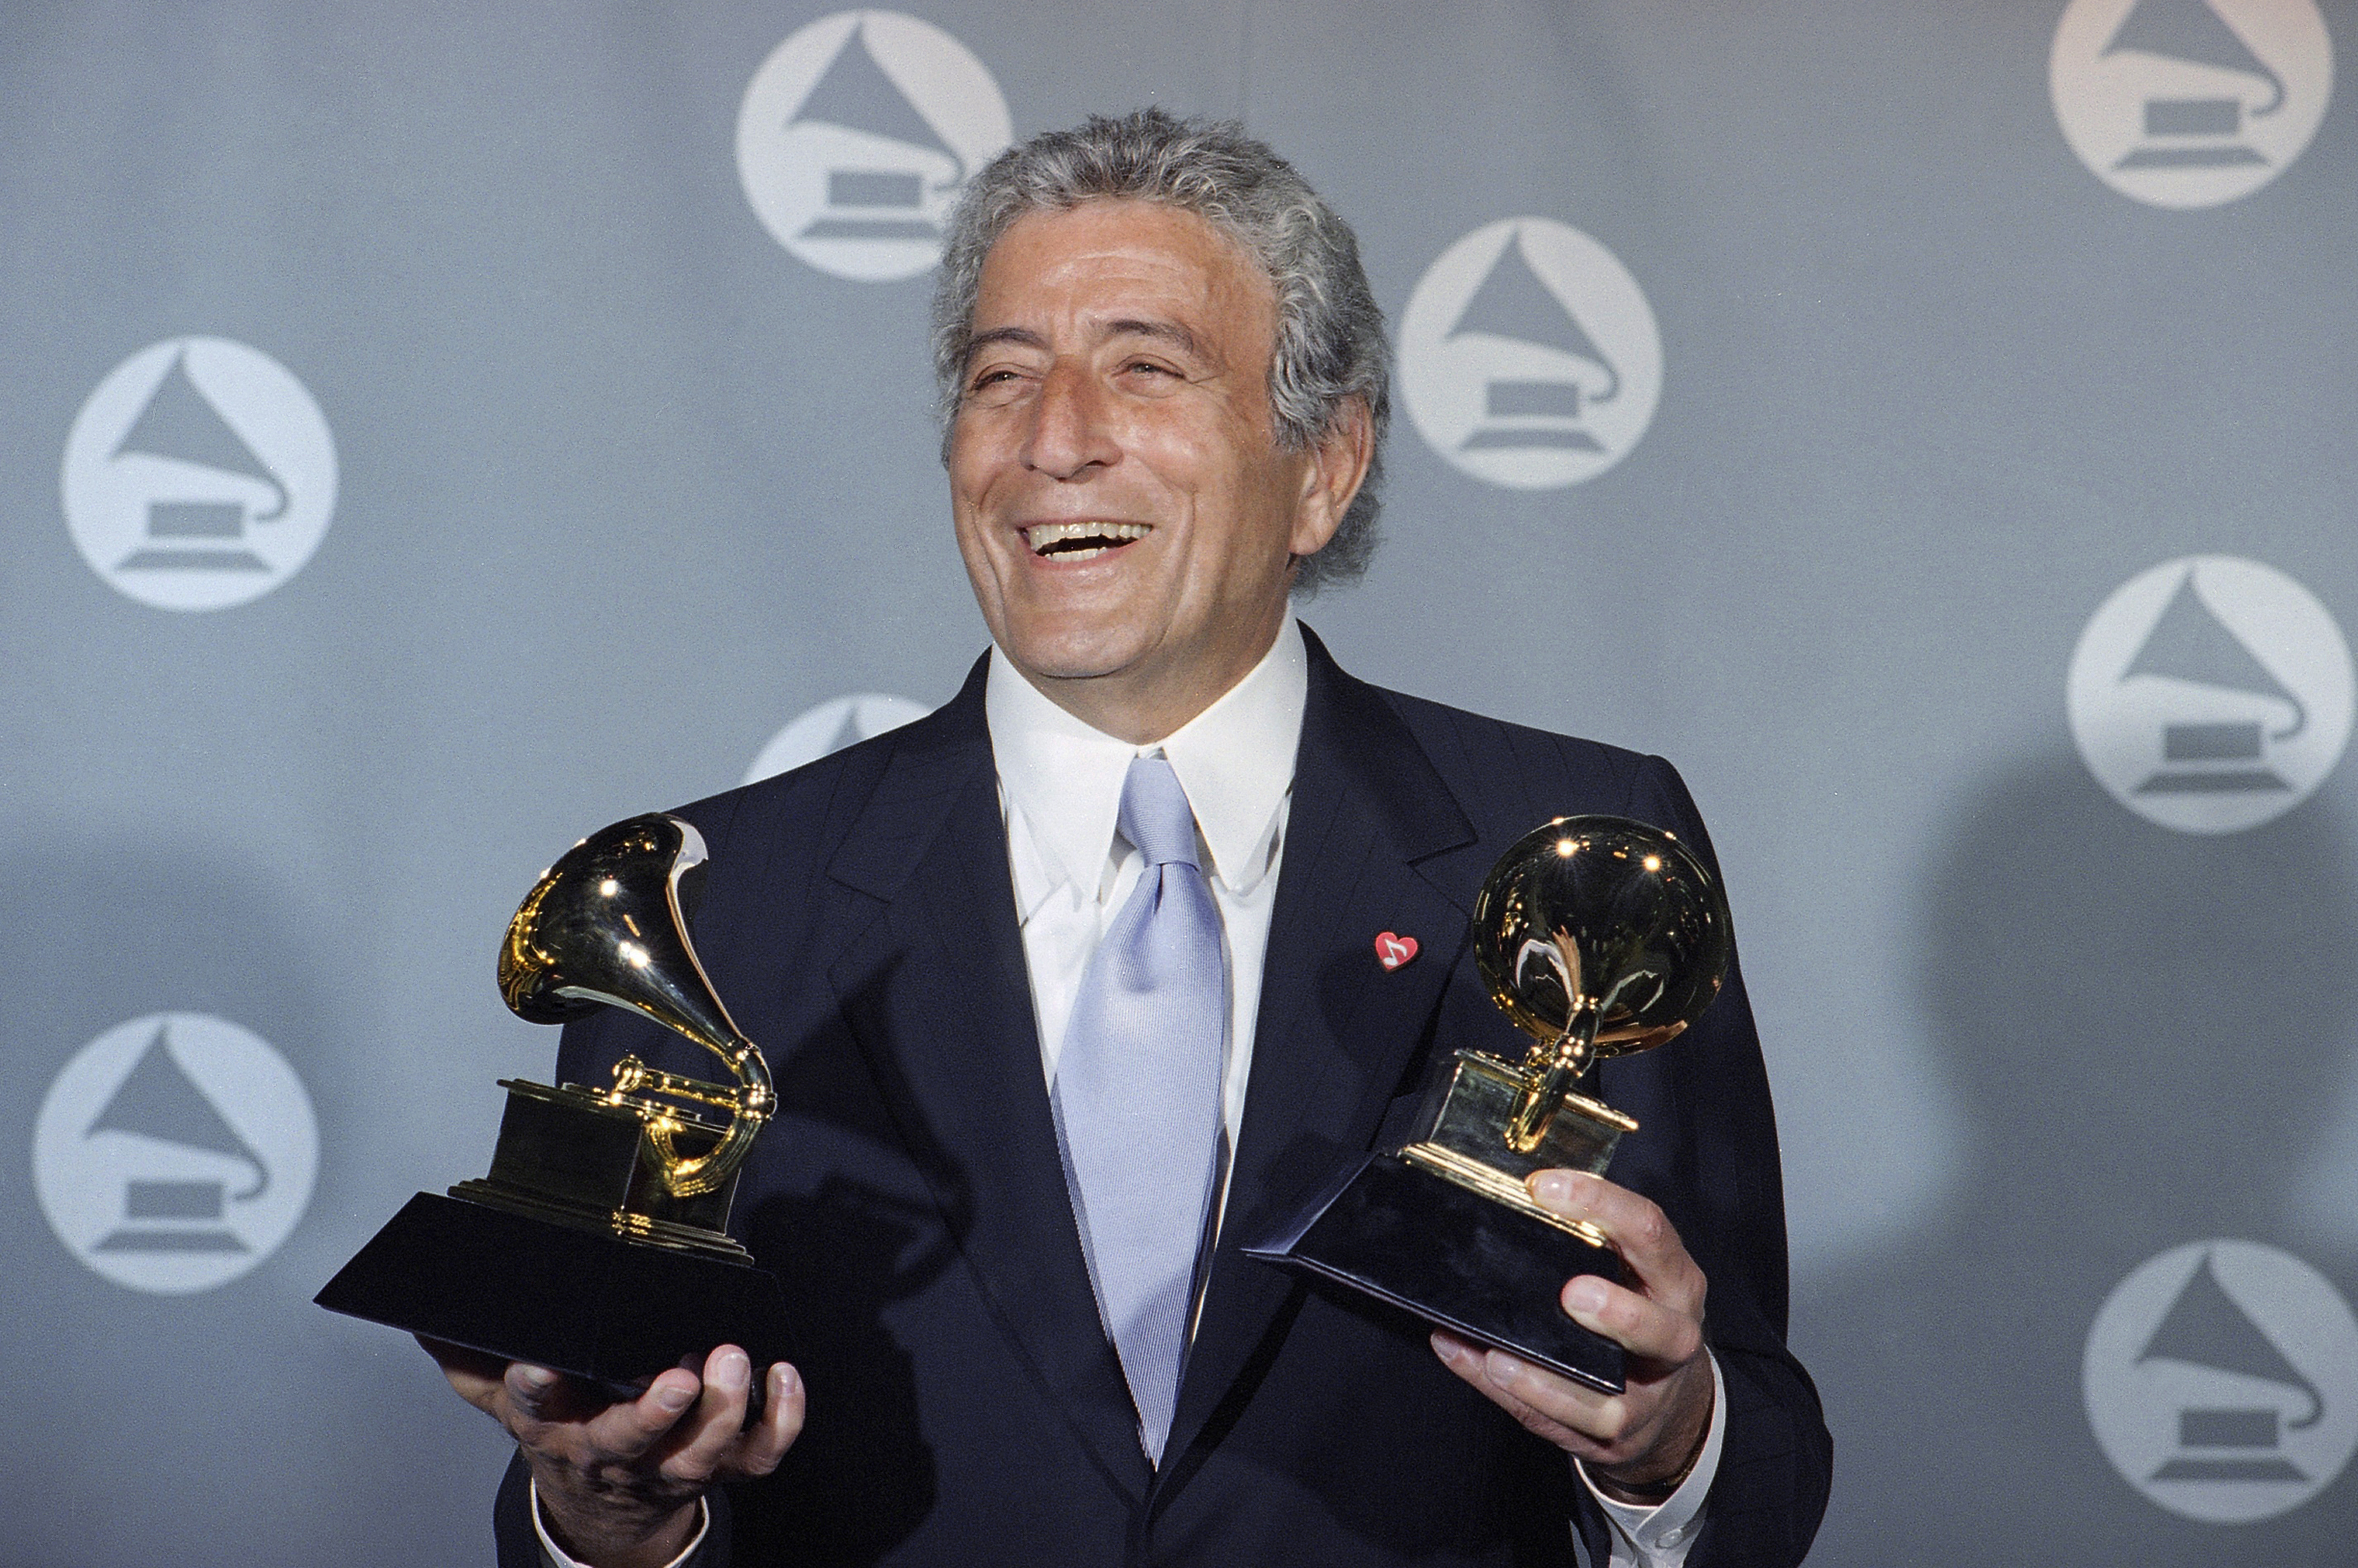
{"x": 2145, "y": 1030}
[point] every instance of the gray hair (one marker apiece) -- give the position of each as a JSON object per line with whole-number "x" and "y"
{"x": 1330, "y": 332}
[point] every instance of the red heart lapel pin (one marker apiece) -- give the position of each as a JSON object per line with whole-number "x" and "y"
{"x": 1392, "y": 951}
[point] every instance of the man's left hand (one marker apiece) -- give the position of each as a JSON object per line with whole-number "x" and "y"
{"x": 1633, "y": 1442}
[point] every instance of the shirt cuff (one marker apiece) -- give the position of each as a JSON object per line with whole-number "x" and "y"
{"x": 1656, "y": 1535}
{"x": 558, "y": 1556}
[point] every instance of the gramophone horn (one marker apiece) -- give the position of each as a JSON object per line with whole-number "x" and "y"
{"x": 604, "y": 927}
{"x": 1598, "y": 937}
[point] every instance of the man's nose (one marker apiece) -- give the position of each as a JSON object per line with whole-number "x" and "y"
{"x": 1070, "y": 432}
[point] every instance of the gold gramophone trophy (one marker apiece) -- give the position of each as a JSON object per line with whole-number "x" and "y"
{"x": 597, "y": 1245}
{"x": 1598, "y": 937}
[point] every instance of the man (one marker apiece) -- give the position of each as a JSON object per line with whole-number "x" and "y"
{"x": 1070, "y": 990}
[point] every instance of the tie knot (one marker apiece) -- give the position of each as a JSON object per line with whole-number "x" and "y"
{"x": 1155, "y": 814}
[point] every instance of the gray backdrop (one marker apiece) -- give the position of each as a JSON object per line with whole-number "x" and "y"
{"x": 1963, "y": 317}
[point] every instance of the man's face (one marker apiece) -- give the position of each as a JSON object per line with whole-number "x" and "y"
{"x": 1124, "y": 509}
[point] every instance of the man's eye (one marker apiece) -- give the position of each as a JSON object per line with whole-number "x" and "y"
{"x": 1149, "y": 368}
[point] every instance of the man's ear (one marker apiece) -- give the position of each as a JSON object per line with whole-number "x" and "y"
{"x": 1337, "y": 466}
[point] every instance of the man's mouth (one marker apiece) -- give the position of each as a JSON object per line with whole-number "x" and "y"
{"x": 1080, "y": 541}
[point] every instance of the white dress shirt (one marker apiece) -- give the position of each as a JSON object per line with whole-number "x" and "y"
{"x": 1661, "y": 1535}
{"x": 1060, "y": 795}
{"x": 1060, "y": 792}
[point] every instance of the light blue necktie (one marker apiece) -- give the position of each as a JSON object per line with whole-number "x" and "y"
{"x": 1137, "y": 1095}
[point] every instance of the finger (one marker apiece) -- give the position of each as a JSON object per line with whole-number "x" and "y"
{"x": 760, "y": 1450}
{"x": 1643, "y": 1235}
{"x": 533, "y": 1396}
{"x": 709, "y": 1434}
{"x": 1645, "y": 1327}
{"x": 530, "y": 1400}
{"x": 1565, "y": 1422}
{"x": 1558, "y": 1399}
{"x": 473, "y": 1374}
{"x": 630, "y": 1428}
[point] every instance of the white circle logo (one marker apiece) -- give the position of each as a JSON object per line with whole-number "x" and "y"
{"x": 1528, "y": 355}
{"x": 174, "y": 1152}
{"x": 855, "y": 136}
{"x": 2222, "y": 1381}
{"x": 829, "y": 728}
{"x": 2211, "y": 694}
{"x": 2190, "y": 102}
{"x": 199, "y": 475}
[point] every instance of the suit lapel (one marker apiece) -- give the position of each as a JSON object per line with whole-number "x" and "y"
{"x": 1336, "y": 1032}
{"x": 935, "y": 992}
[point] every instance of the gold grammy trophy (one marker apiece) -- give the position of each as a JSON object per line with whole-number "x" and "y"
{"x": 598, "y": 1242}
{"x": 1598, "y": 937}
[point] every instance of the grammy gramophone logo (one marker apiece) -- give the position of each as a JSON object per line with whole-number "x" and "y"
{"x": 2222, "y": 1380}
{"x": 175, "y": 1152}
{"x": 2190, "y": 102}
{"x": 2211, "y": 694}
{"x": 857, "y": 135}
{"x": 1529, "y": 356}
{"x": 830, "y": 726}
{"x": 199, "y": 475}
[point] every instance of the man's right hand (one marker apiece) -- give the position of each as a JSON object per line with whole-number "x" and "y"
{"x": 618, "y": 1481}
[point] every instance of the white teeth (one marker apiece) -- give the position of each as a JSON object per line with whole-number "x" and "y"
{"x": 1042, "y": 536}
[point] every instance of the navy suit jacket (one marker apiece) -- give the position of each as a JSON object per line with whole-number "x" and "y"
{"x": 965, "y": 1405}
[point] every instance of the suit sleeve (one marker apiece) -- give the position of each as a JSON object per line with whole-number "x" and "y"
{"x": 519, "y": 1543}
{"x": 1716, "y": 1174}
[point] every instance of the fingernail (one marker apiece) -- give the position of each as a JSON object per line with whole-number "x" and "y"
{"x": 735, "y": 1371}
{"x": 1553, "y": 1188}
{"x": 672, "y": 1397}
{"x": 1445, "y": 1350}
{"x": 1585, "y": 1293}
{"x": 785, "y": 1379}
{"x": 1503, "y": 1369}
{"x": 535, "y": 1379}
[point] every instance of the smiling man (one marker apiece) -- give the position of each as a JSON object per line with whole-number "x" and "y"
{"x": 1073, "y": 987}
{"x": 1128, "y": 515}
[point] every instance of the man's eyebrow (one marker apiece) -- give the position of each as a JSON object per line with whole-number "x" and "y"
{"x": 1022, "y": 337}
{"x": 1175, "y": 333}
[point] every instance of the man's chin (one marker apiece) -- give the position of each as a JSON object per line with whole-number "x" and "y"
{"x": 1074, "y": 658}
{"x": 1072, "y": 671}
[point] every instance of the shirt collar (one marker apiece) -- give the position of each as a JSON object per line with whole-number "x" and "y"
{"x": 1235, "y": 759}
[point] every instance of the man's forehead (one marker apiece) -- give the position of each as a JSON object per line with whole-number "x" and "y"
{"x": 1103, "y": 252}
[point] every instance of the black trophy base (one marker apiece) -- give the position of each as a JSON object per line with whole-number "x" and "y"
{"x": 601, "y": 1308}
{"x": 1470, "y": 1264}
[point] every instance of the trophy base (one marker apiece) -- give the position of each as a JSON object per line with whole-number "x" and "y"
{"x": 596, "y": 1307}
{"x": 1482, "y": 1269}
{"x": 1467, "y": 1118}
{"x": 579, "y": 1157}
